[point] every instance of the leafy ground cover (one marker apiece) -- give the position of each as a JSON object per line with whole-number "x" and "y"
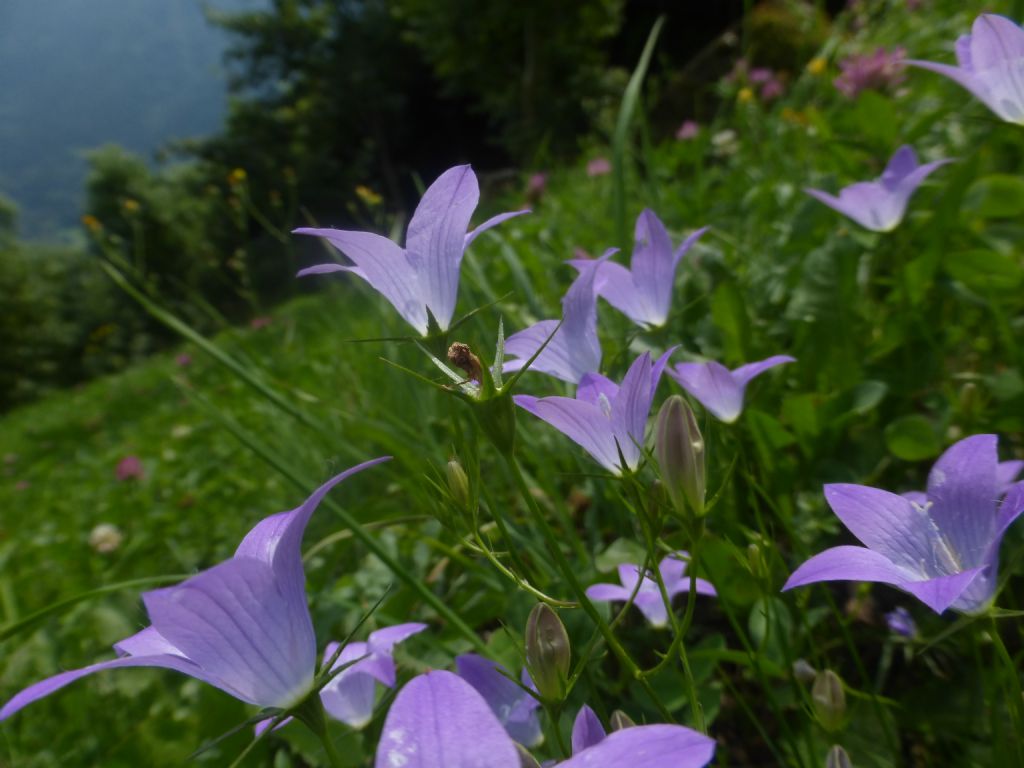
{"x": 905, "y": 342}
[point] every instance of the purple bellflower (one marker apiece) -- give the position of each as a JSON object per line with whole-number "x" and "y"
{"x": 574, "y": 350}
{"x": 439, "y": 720}
{"x": 350, "y": 695}
{"x": 943, "y": 551}
{"x": 644, "y": 291}
{"x": 515, "y": 709}
{"x": 587, "y": 730}
{"x": 717, "y": 388}
{"x": 879, "y": 205}
{"x": 991, "y": 61}
{"x": 900, "y": 622}
{"x": 648, "y": 596}
{"x": 423, "y": 277}
{"x": 605, "y": 419}
{"x": 242, "y": 626}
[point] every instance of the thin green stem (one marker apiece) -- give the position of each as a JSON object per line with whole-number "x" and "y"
{"x": 570, "y": 576}
{"x": 1013, "y": 691}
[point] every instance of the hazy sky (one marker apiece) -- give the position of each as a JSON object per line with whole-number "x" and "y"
{"x": 76, "y": 74}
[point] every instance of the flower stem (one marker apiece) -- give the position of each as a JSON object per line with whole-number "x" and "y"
{"x": 1013, "y": 690}
{"x": 570, "y": 576}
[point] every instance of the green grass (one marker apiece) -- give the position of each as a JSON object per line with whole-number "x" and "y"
{"x": 905, "y": 342}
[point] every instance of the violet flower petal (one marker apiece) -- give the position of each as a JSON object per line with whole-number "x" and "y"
{"x": 575, "y": 348}
{"x": 382, "y": 264}
{"x": 847, "y": 563}
{"x": 436, "y": 238}
{"x": 350, "y": 695}
{"x": 1006, "y": 474}
{"x": 439, "y": 721}
{"x": 586, "y": 730}
{"x": 235, "y": 623}
{"x": 646, "y": 746}
{"x": 515, "y": 709}
{"x": 717, "y": 388}
{"x": 583, "y": 423}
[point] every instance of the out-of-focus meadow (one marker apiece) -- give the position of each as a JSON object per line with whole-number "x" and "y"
{"x": 168, "y": 376}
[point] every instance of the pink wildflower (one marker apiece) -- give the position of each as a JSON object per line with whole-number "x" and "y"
{"x": 129, "y": 468}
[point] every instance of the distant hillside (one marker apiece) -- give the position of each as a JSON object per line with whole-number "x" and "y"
{"x": 75, "y": 74}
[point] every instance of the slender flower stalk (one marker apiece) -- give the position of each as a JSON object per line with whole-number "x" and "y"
{"x": 421, "y": 280}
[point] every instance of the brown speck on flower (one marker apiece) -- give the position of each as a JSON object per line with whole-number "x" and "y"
{"x": 461, "y": 356}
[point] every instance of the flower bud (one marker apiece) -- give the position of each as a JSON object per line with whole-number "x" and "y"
{"x": 620, "y": 720}
{"x": 837, "y": 758}
{"x": 679, "y": 449}
{"x": 458, "y": 484}
{"x": 547, "y": 652}
{"x": 828, "y": 700}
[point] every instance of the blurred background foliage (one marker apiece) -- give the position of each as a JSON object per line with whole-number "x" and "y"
{"x": 340, "y": 113}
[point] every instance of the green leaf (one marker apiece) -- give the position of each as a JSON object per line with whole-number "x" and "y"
{"x": 912, "y": 438}
{"x": 983, "y": 270}
{"x": 999, "y": 196}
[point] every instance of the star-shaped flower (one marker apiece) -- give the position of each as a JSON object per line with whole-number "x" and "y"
{"x": 607, "y": 420}
{"x": 644, "y": 291}
{"x": 574, "y": 350}
{"x": 648, "y": 597}
{"x": 242, "y": 626}
{"x": 879, "y": 205}
{"x": 944, "y": 550}
{"x": 424, "y": 276}
{"x": 991, "y": 61}
{"x": 438, "y": 720}
{"x": 717, "y": 388}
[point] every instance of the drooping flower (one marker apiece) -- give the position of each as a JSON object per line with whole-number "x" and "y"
{"x": 439, "y": 720}
{"x": 943, "y": 551}
{"x": 648, "y": 598}
{"x": 717, "y": 388}
{"x": 644, "y": 291}
{"x": 424, "y": 276}
{"x": 515, "y": 709}
{"x": 879, "y": 205}
{"x": 605, "y": 418}
{"x": 574, "y": 350}
{"x": 242, "y": 626}
{"x": 991, "y": 61}
{"x": 879, "y": 71}
{"x": 350, "y": 695}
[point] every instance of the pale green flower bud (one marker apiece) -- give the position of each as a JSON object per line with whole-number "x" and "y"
{"x": 458, "y": 483}
{"x": 620, "y": 720}
{"x": 548, "y": 653}
{"x": 837, "y": 758}
{"x": 828, "y": 700}
{"x": 679, "y": 449}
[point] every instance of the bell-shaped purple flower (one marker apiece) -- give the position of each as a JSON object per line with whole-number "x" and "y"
{"x": 717, "y": 388}
{"x": 879, "y": 205}
{"x": 515, "y": 709}
{"x": 648, "y": 597}
{"x": 644, "y": 291}
{"x": 587, "y": 730}
{"x": 605, "y": 419}
{"x": 574, "y": 350}
{"x": 350, "y": 695}
{"x": 242, "y": 626}
{"x": 991, "y": 61}
{"x": 423, "y": 276}
{"x": 439, "y": 720}
{"x": 943, "y": 550}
